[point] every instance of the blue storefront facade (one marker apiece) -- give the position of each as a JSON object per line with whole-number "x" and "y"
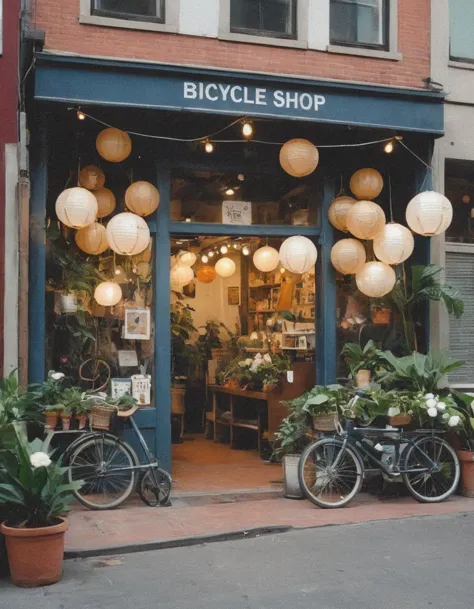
{"x": 165, "y": 101}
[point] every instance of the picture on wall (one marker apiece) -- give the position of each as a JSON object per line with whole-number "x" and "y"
{"x": 236, "y": 212}
{"x": 233, "y": 295}
{"x": 137, "y": 324}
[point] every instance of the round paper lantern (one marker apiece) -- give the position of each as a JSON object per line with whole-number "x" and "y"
{"x": 108, "y": 293}
{"x": 225, "y": 267}
{"x": 181, "y": 275}
{"x": 338, "y": 211}
{"x": 429, "y": 213}
{"x": 394, "y": 244}
{"x": 206, "y": 274}
{"x": 92, "y": 239}
{"x": 142, "y": 198}
{"x": 298, "y": 254}
{"x": 91, "y": 177}
{"x": 186, "y": 258}
{"x": 348, "y": 256}
{"x": 266, "y": 259}
{"x": 366, "y": 183}
{"x": 365, "y": 219}
{"x": 128, "y": 234}
{"x": 299, "y": 157}
{"x": 113, "y": 145}
{"x": 375, "y": 279}
{"x": 106, "y": 201}
{"x": 76, "y": 207}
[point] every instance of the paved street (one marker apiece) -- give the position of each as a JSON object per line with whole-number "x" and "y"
{"x": 398, "y": 564}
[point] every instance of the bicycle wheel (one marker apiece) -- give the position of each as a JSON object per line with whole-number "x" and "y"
{"x": 155, "y": 487}
{"x": 325, "y": 483}
{"x": 97, "y": 461}
{"x": 431, "y": 486}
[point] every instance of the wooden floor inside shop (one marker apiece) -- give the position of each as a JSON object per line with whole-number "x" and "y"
{"x": 205, "y": 466}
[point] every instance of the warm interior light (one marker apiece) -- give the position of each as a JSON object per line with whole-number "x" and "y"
{"x": 245, "y": 251}
{"x": 388, "y": 147}
{"x": 230, "y": 192}
{"x": 466, "y": 199}
{"x": 205, "y": 258}
{"x": 187, "y": 220}
{"x": 209, "y": 147}
{"x": 241, "y": 177}
{"x": 235, "y": 246}
{"x": 224, "y": 249}
{"x": 282, "y": 270}
{"x": 80, "y": 115}
{"x": 211, "y": 254}
{"x": 247, "y": 129}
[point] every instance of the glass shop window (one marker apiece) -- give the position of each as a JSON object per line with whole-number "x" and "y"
{"x": 134, "y": 10}
{"x": 461, "y": 26}
{"x": 273, "y": 18}
{"x": 459, "y": 188}
{"x": 360, "y": 23}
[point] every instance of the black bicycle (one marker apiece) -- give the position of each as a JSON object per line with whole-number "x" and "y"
{"x": 331, "y": 469}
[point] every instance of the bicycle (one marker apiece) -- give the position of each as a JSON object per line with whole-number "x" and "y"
{"x": 108, "y": 466}
{"x": 331, "y": 469}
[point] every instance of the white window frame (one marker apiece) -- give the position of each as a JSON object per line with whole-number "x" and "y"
{"x": 392, "y": 51}
{"x": 300, "y": 42}
{"x": 170, "y": 25}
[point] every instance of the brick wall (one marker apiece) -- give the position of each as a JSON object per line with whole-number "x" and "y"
{"x": 60, "y": 20}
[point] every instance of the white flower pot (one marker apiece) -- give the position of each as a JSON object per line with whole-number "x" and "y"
{"x": 292, "y": 489}
{"x": 68, "y": 303}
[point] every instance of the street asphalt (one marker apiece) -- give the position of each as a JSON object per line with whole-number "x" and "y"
{"x": 397, "y": 564}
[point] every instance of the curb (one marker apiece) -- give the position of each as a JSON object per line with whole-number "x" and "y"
{"x": 179, "y": 542}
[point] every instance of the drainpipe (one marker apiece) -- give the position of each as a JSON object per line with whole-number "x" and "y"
{"x": 23, "y": 197}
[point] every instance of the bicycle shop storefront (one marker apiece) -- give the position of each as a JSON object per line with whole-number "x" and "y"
{"x": 172, "y": 274}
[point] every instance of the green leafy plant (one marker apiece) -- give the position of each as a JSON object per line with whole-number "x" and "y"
{"x": 74, "y": 401}
{"x": 16, "y": 405}
{"x": 70, "y": 273}
{"x": 49, "y": 393}
{"x": 255, "y": 372}
{"x": 361, "y": 358}
{"x": 183, "y": 355}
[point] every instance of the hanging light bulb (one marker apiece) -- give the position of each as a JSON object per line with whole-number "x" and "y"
{"x": 388, "y": 147}
{"x": 224, "y": 249}
{"x": 235, "y": 246}
{"x": 229, "y": 192}
{"x": 247, "y": 129}
{"x": 245, "y": 250}
{"x": 80, "y": 115}
{"x": 209, "y": 147}
{"x": 211, "y": 254}
{"x": 205, "y": 259}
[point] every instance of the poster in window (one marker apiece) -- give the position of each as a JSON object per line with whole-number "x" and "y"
{"x": 233, "y": 295}
{"x": 236, "y": 212}
{"x": 137, "y": 324}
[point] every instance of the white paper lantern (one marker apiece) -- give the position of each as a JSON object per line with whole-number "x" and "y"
{"x": 108, "y": 293}
{"x": 298, "y": 254}
{"x": 142, "y": 198}
{"x": 375, "y": 279}
{"x": 299, "y": 157}
{"x": 348, "y": 256}
{"x": 76, "y": 207}
{"x": 429, "y": 213}
{"x": 181, "y": 275}
{"x": 225, "y": 267}
{"x": 186, "y": 258}
{"x": 338, "y": 210}
{"x": 106, "y": 201}
{"x": 92, "y": 239}
{"x": 394, "y": 244}
{"x": 365, "y": 219}
{"x": 128, "y": 234}
{"x": 266, "y": 259}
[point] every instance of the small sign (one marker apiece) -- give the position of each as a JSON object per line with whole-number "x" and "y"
{"x": 120, "y": 387}
{"x": 128, "y": 358}
{"x": 137, "y": 324}
{"x": 237, "y": 212}
{"x": 233, "y": 295}
{"x": 141, "y": 386}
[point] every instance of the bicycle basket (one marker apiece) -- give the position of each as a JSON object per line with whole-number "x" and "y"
{"x": 101, "y": 416}
{"x": 325, "y": 422}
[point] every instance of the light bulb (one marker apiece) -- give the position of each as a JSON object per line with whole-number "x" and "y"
{"x": 388, "y": 147}
{"x": 247, "y": 129}
{"x": 117, "y": 271}
{"x": 187, "y": 220}
{"x": 211, "y": 254}
{"x": 224, "y": 249}
{"x": 245, "y": 251}
{"x": 230, "y": 192}
{"x": 235, "y": 246}
{"x": 205, "y": 259}
{"x": 241, "y": 177}
{"x": 282, "y": 270}
{"x": 209, "y": 147}
{"x": 80, "y": 115}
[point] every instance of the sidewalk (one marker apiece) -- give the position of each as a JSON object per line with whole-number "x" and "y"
{"x": 136, "y": 527}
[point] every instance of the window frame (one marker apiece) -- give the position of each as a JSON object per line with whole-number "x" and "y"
{"x": 385, "y": 30}
{"x": 89, "y": 16}
{"x": 467, "y": 62}
{"x": 300, "y": 41}
{"x": 269, "y": 33}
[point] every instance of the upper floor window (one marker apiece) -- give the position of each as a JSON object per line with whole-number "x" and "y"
{"x": 360, "y": 23}
{"x": 461, "y": 27}
{"x": 135, "y": 10}
{"x": 272, "y": 18}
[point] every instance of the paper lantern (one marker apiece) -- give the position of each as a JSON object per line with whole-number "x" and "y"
{"x": 299, "y": 157}
{"x": 225, "y": 267}
{"x": 91, "y": 177}
{"x": 365, "y": 219}
{"x": 206, "y": 274}
{"x": 338, "y": 211}
{"x": 375, "y": 279}
{"x": 266, "y": 259}
{"x": 108, "y": 294}
{"x": 142, "y": 198}
{"x": 394, "y": 244}
{"x": 186, "y": 258}
{"x": 429, "y": 213}
{"x": 113, "y": 145}
{"x": 76, "y": 207}
{"x": 92, "y": 239}
{"x": 181, "y": 275}
{"x": 106, "y": 201}
{"x": 298, "y": 254}
{"x": 128, "y": 234}
{"x": 348, "y": 256}
{"x": 366, "y": 183}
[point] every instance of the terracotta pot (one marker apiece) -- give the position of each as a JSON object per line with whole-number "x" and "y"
{"x": 380, "y": 315}
{"x": 51, "y": 420}
{"x": 269, "y": 387}
{"x": 35, "y": 555}
{"x": 467, "y": 472}
{"x": 362, "y": 378}
{"x": 66, "y": 420}
{"x": 83, "y": 421}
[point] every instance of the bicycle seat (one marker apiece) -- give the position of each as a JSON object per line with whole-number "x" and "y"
{"x": 124, "y": 414}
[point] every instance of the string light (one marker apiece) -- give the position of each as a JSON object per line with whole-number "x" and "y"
{"x": 245, "y": 251}
{"x": 209, "y": 147}
{"x": 80, "y": 115}
{"x": 241, "y": 177}
{"x": 247, "y": 129}
{"x": 229, "y": 192}
{"x": 224, "y": 249}
{"x": 211, "y": 254}
{"x": 235, "y": 246}
{"x": 204, "y": 259}
{"x": 388, "y": 147}
{"x": 187, "y": 220}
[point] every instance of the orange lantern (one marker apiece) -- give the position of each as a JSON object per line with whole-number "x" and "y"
{"x": 366, "y": 183}
{"x": 206, "y": 274}
{"x": 106, "y": 200}
{"x": 113, "y": 145}
{"x": 91, "y": 177}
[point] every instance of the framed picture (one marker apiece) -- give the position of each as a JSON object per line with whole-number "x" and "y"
{"x": 233, "y": 295}
{"x": 236, "y": 212}
{"x": 302, "y": 342}
{"x": 128, "y": 358}
{"x": 120, "y": 387}
{"x": 137, "y": 324}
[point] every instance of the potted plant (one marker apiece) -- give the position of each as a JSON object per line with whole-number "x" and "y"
{"x": 361, "y": 361}
{"x": 72, "y": 277}
{"x": 32, "y": 488}
{"x": 465, "y": 449}
{"x": 210, "y": 342}
{"x": 74, "y": 403}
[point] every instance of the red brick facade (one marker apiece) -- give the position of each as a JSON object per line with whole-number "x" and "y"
{"x": 60, "y": 20}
